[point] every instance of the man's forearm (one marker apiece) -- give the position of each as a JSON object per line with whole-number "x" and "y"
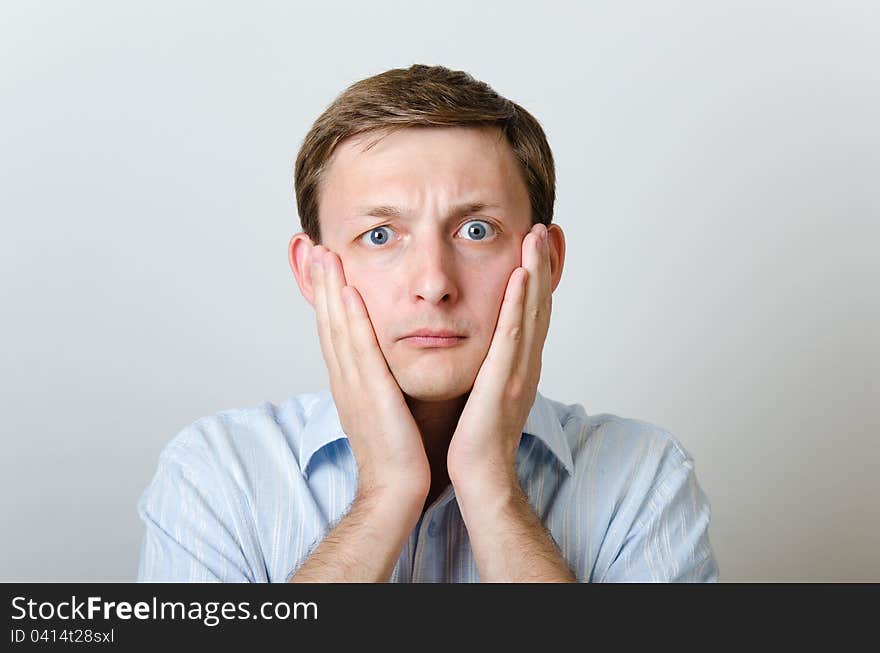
{"x": 509, "y": 542}
{"x": 364, "y": 546}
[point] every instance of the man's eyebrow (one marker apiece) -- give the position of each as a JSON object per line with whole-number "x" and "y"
{"x": 389, "y": 211}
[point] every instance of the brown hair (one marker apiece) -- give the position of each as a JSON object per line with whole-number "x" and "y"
{"x": 422, "y": 96}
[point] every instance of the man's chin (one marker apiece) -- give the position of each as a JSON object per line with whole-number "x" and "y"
{"x": 435, "y": 378}
{"x": 432, "y": 390}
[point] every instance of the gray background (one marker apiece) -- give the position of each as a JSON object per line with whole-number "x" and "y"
{"x": 717, "y": 183}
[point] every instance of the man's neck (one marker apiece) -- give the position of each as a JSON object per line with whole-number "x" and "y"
{"x": 437, "y": 421}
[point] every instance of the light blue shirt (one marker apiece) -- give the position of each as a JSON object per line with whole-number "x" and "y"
{"x": 247, "y": 494}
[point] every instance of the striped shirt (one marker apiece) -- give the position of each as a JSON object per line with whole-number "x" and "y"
{"x": 247, "y": 494}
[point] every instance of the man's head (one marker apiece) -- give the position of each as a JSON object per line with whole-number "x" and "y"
{"x": 467, "y": 173}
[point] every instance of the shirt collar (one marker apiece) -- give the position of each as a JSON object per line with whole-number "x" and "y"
{"x": 323, "y": 427}
{"x": 543, "y": 423}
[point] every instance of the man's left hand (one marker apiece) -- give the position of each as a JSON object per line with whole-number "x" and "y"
{"x": 483, "y": 451}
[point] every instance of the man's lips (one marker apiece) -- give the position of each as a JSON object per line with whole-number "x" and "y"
{"x": 433, "y": 333}
{"x": 432, "y": 341}
{"x": 433, "y": 338}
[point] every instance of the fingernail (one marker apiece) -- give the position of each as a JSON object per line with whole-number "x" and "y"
{"x": 543, "y": 232}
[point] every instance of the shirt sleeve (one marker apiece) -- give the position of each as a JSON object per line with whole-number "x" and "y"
{"x": 669, "y": 539}
{"x": 191, "y": 529}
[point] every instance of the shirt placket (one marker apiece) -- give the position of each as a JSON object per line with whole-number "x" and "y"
{"x": 426, "y": 538}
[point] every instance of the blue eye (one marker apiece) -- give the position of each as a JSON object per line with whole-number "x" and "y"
{"x": 377, "y": 236}
{"x": 477, "y": 230}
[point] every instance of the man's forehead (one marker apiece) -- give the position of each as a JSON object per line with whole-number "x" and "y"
{"x": 380, "y": 149}
{"x": 398, "y": 177}
{"x": 404, "y": 212}
{"x": 393, "y": 196}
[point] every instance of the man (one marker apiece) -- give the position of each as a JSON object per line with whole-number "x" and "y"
{"x": 429, "y": 256}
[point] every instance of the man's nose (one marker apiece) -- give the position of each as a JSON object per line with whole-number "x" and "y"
{"x": 432, "y": 273}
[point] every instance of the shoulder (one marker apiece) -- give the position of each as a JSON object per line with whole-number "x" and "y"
{"x": 609, "y": 434}
{"x": 627, "y": 455}
{"x": 637, "y": 485}
{"x": 241, "y": 440}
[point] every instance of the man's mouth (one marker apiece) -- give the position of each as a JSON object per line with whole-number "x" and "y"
{"x": 433, "y": 341}
{"x": 427, "y": 337}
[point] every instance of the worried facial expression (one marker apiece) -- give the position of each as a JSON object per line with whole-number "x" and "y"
{"x": 429, "y": 225}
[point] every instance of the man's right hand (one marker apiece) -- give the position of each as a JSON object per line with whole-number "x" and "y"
{"x": 381, "y": 430}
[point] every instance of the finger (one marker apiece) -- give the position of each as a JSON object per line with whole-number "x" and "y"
{"x": 536, "y": 313}
{"x": 317, "y": 275}
{"x": 536, "y": 257}
{"x": 370, "y": 361}
{"x": 338, "y": 321}
{"x": 546, "y": 277}
{"x": 507, "y": 340}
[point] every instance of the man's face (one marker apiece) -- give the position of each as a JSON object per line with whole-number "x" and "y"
{"x": 431, "y": 267}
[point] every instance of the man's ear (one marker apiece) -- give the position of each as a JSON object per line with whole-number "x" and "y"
{"x": 299, "y": 255}
{"x": 556, "y": 239}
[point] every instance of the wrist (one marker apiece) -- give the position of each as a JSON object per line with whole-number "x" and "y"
{"x": 391, "y": 504}
{"x": 487, "y": 496}
{"x": 398, "y": 489}
{"x": 485, "y": 482}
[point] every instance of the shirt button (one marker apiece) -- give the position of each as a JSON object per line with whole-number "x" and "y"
{"x": 432, "y": 529}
